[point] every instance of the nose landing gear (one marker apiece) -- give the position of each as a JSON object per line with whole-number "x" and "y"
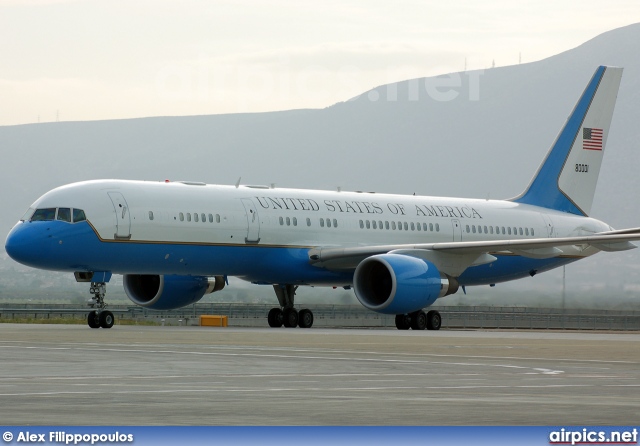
{"x": 100, "y": 318}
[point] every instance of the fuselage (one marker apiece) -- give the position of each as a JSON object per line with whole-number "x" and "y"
{"x": 264, "y": 234}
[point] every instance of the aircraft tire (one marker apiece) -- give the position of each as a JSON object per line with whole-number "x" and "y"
{"x": 290, "y": 318}
{"x": 434, "y": 320}
{"x": 92, "y": 319}
{"x": 403, "y": 322}
{"x": 419, "y": 320}
{"x": 305, "y": 318}
{"x": 106, "y": 319}
{"x": 275, "y": 318}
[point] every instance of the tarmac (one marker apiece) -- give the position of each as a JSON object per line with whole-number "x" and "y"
{"x": 133, "y": 375}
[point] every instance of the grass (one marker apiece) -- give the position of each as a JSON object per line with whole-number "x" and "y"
{"x": 67, "y": 321}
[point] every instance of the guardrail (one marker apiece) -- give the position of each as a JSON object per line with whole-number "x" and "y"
{"x": 353, "y": 316}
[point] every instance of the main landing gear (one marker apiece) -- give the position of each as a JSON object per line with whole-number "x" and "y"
{"x": 99, "y": 318}
{"x": 419, "y": 320}
{"x": 287, "y": 315}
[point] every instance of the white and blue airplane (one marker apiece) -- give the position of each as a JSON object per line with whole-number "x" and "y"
{"x": 174, "y": 242}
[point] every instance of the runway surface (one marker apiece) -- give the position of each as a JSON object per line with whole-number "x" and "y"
{"x": 73, "y": 375}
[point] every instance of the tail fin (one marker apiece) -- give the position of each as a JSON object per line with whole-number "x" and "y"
{"x": 566, "y": 180}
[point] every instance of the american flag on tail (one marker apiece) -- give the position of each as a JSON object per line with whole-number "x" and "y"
{"x": 591, "y": 139}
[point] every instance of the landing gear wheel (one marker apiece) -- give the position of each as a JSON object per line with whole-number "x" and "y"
{"x": 305, "y": 319}
{"x": 418, "y": 320}
{"x": 275, "y": 318}
{"x": 434, "y": 320}
{"x": 403, "y": 321}
{"x": 290, "y": 319}
{"x": 92, "y": 319}
{"x": 106, "y": 319}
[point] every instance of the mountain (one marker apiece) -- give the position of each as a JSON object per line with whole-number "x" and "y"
{"x": 478, "y": 134}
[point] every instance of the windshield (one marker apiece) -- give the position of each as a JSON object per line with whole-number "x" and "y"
{"x": 50, "y": 214}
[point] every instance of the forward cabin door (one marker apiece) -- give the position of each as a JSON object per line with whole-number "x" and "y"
{"x": 123, "y": 216}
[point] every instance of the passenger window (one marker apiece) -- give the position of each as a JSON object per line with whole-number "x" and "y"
{"x": 491, "y": 229}
{"x": 399, "y": 226}
{"x": 203, "y": 218}
{"x": 78, "y": 215}
{"x": 47, "y": 214}
{"x": 486, "y": 231}
{"x": 521, "y": 231}
{"x": 509, "y": 230}
{"x": 532, "y": 232}
{"x": 368, "y": 224}
{"x": 406, "y": 226}
{"x": 413, "y": 226}
{"x": 217, "y": 218}
{"x": 431, "y": 227}
{"x": 468, "y": 229}
{"x": 393, "y": 225}
{"x": 386, "y": 225}
{"x": 473, "y": 228}
{"x": 295, "y": 221}
{"x": 526, "y": 232}
{"x": 335, "y": 223}
{"x": 64, "y": 214}
{"x": 150, "y": 215}
{"x": 328, "y": 223}
{"x": 361, "y": 224}
{"x": 419, "y": 227}
{"x": 181, "y": 216}
{"x": 437, "y": 227}
{"x": 503, "y": 231}
{"x": 322, "y": 223}
{"x": 308, "y": 221}
{"x": 195, "y": 217}
{"x": 424, "y": 227}
{"x": 288, "y": 221}
{"x": 281, "y": 221}
{"x": 375, "y": 224}
{"x": 210, "y": 218}
{"x": 188, "y": 216}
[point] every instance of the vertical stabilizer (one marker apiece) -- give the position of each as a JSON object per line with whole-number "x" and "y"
{"x": 566, "y": 180}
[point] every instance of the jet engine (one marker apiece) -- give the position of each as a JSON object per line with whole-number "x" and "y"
{"x": 400, "y": 284}
{"x": 169, "y": 292}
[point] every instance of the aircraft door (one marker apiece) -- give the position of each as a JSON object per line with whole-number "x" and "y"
{"x": 457, "y": 230}
{"x": 123, "y": 217}
{"x": 253, "y": 221}
{"x": 549, "y": 224}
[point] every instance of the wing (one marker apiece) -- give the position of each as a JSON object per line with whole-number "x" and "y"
{"x": 454, "y": 257}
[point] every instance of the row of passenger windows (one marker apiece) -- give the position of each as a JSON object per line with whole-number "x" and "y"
{"x": 400, "y": 226}
{"x": 62, "y": 214}
{"x": 500, "y": 230}
{"x": 202, "y": 217}
{"x": 293, "y": 221}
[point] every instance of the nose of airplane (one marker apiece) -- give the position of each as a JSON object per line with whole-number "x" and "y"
{"x": 23, "y": 244}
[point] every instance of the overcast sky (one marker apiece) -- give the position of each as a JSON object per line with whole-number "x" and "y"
{"x": 110, "y": 59}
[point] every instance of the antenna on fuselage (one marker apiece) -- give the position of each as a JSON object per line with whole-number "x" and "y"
{"x": 238, "y": 182}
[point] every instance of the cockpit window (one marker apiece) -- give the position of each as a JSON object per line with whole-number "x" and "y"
{"x": 27, "y": 215}
{"x": 64, "y": 214}
{"x": 78, "y": 215}
{"x": 47, "y": 214}
{"x": 50, "y": 214}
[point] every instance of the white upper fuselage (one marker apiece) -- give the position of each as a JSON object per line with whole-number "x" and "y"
{"x": 173, "y": 213}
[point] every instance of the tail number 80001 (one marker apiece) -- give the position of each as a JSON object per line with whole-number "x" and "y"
{"x": 582, "y": 168}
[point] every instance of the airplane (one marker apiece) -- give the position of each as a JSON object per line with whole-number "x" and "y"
{"x": 175, "y": 241}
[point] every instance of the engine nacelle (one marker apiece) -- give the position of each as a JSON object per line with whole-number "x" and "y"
{"x": 400, "y": 284}
{"x": 168, "y": 292}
